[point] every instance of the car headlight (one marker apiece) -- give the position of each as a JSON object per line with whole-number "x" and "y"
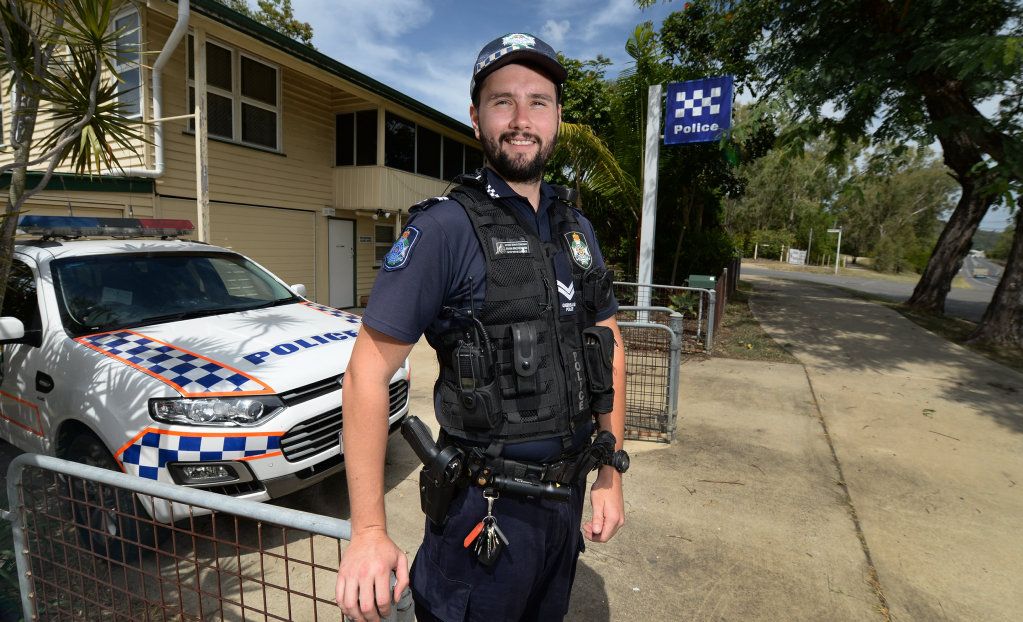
{"x": 221, "y": 411}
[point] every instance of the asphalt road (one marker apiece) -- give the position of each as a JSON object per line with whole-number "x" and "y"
{"x": 961, "y": 302}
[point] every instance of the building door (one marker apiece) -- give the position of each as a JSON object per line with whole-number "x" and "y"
{"x": 341, "y": 258}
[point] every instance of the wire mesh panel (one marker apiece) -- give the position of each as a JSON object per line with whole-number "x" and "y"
{"x": 91, "y": 552}
{"x": 652, "y": 360}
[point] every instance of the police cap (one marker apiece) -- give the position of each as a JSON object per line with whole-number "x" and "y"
{"x": 516, "y": 47}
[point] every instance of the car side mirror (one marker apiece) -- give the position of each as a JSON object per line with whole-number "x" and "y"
{"x": 12, "y": 330}
{"x": 298, "y": 289}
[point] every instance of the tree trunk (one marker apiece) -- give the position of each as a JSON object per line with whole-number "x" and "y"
{"x": 961, "y": 154}
{"x": 952, "y": 247}
{"x": 25, "y": 124}
{"x": 1002, "y": 324}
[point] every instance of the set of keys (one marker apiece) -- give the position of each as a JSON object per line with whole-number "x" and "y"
{"x": 486, "y": 537}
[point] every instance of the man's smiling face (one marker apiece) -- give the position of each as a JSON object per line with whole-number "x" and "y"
{"x": 517, "y": 121}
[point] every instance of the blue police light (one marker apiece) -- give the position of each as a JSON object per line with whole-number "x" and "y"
{"x": 80, "y": 226}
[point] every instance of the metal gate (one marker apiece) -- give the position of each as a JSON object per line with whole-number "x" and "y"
{"x": 86, "y": 550}
{"x": 653, "y": 355}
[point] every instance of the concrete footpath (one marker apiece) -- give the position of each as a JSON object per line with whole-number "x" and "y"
{"x": 876, "y": 480}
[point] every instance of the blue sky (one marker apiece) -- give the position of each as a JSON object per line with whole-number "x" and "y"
{"x": 426, "y": 48}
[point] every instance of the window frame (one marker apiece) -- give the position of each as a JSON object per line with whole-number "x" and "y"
{"x": 236, "y": 96}
{"x": 34, "y": 328}
{"x": 415, "y": 148}
{"x": 374, "y": 137}
{"x": 377, "y": 245}
{"x": 135, "y": 65}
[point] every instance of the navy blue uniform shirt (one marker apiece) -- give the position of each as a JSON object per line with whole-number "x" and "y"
{"x": 432, "y": 265}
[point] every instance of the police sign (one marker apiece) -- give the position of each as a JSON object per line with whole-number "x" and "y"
{"x": 698, "y": 110}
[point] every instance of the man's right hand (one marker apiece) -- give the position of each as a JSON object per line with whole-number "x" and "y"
{"x": 363, "y": 579}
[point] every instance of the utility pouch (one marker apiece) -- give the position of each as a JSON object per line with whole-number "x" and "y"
{"x": 435, "y": 497}
{"x": 526, "y": 357}
{"x": 597, "y": 287}
{"x": 598, "y": 352}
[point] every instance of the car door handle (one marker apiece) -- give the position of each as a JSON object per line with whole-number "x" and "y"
{"x": 44, "y": 382}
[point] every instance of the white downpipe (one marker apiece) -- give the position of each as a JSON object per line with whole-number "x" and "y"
{"x": 180, "y": 28}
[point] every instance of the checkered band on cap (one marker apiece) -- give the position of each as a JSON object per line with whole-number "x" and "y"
{"x": 189, "y": 373}
{"x": 147, "y": 456}
{"x": 351, "y": 318}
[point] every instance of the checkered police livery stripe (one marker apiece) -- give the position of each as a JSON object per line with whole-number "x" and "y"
{"x": 351, "y": 318}
{"x": 191, "y": 374}
{"x": 148, "y": 453}
{"x": 696, "y": 103}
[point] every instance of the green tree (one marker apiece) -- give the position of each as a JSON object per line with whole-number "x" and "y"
{"x": 277, "y": 14}
{"x": 58, "y": 61}
{"x": 1000, "y": 251}
{"x": 894, "y": 71}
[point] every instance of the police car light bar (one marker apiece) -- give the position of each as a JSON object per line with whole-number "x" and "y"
{"x": 76, "y": 226}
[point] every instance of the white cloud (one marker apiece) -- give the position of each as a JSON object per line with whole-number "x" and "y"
{"x": 553, "y": 32}
{"x": 373, "y": 37}
{"x": 615, "y": 13}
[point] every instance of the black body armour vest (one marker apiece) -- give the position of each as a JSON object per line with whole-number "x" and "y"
{"x": 514, "y": 369}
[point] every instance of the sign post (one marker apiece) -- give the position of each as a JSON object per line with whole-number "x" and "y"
{"x": 838, "y": 248}
{"x": 649, "y": 215}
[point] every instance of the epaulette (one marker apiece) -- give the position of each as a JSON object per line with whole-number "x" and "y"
{"x": 425, "y": 204}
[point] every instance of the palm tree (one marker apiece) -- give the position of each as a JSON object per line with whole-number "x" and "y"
{"x": 59, "y": 57}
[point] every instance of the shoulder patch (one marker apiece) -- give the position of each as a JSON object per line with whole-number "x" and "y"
{"x": 425, "y": 204}
{"x": 398, "y": 257}
{"x": 579, "y": 249}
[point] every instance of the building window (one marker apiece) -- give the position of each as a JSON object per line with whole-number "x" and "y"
{"x": 473, "y": 159}
{"x": 242, "y": 96}
{"x": 126, "y": 63}
{"x": 399, "y": 143}
{"x": 384, "y": 242}
{"x": 356, "y": 138}
{"x": 416, "y": 149}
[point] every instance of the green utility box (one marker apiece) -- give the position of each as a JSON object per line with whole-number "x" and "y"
{"x": 702, "y": 281}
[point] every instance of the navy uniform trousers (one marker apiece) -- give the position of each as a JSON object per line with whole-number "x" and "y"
{"x": 532, "y": 580}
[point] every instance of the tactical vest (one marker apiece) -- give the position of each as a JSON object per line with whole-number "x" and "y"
{"x": 516, "y": 369}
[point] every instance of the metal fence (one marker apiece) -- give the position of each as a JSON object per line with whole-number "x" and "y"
{"x": 653, "y": 355}
{"x": 86, "y": 550}
{"x": 699, "y": 305}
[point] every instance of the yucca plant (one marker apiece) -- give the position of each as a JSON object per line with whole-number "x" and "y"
{"x": 58, "y": 60}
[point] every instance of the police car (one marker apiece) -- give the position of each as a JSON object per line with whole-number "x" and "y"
{"x": 171, "y": 360}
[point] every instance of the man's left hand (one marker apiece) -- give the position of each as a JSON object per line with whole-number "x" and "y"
{"x": 608, "y": 506}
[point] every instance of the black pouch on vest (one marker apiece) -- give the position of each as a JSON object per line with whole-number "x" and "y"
{"x": 526, "y": 357}
{"x": 597, "y": 286}
{"x": 598, "y": 352}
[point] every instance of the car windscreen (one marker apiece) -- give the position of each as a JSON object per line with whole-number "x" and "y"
{"x": 109, "y": 292}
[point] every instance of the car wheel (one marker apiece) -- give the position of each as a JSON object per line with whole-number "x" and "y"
{"x": 110, "y": 521}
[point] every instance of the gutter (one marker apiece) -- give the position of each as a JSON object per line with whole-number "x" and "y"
{"x": 178, "y": 33}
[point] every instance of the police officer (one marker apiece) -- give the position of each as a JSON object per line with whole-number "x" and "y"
{"x": 508, "y": 284}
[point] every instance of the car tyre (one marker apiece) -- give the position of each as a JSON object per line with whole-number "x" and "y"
{"x": 110, "y": 521}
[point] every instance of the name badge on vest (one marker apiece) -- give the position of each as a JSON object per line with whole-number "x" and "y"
{"x": 514, "y": 246}
{"x": 579, "y": 249}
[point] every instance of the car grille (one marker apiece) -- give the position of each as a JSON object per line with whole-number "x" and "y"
{"x": 320, "y": 433}
{"x": 310, "y": 391}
